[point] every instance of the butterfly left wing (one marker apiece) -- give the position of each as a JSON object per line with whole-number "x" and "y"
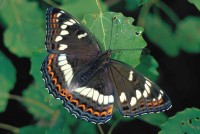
{"x": 64, "y": 34}
{"x": 91, "y": 100}
{"x": 134, "y": 93}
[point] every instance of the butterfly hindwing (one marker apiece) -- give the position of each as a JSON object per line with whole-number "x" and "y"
{"x": 91, "y": 99}
{"x": 64, "y": 34}
{"x": 134, "y": 93}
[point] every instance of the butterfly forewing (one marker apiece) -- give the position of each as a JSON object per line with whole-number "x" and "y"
{"x": 64, "y": 34}
{"x": 134, "y": 93}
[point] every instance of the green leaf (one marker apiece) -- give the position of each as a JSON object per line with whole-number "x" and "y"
{"x": 80, "y": 7}
{"x": 161, "y": 34}
{"x": 41, "y": 104}
{"x": 32, "y": 130}
{"x": 25, "y": 32}
{"x": 187, "y": 32}
{"x": 82, "y": 128}
{"x": 131, "y": 5}
{"x": 141, "y": 2}
{"x": 23, "y": 40}
{"x": 64, "y": 123}
{"x": 7, "y": 79}
{"x": 185, "y": 122}
{"x": 148, "y": 67}
{"x": 124, "y": 35}
{"x": 196, "y": 3}
{"x": 155, "y": 119}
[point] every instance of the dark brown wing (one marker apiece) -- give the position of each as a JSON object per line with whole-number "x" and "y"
{"x": 134, "y": 93}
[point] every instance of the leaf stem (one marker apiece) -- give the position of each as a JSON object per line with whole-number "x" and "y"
{"x": 28, "y": 100}
{"x": 100, "y": 129}
{"x": 142, "y": 15}
{"x": 9, "y": 128}
{"x": 114, "y": 125}
{"x": 50, "y": 2}
{"x": 99, "y": 6}
{"x": 168, "y": 11}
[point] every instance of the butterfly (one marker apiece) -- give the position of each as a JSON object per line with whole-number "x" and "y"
{"x": 89, "y": 81}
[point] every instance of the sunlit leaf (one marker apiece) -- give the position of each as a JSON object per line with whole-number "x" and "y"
{"x": 25, "y": 32}
{"x": 184, "y": 122}
{"x": 7, "y": 80}
{"x": 124, "y": 35}
{"x": 43, "y": 104}
{"x": 80, "y": 7}
{"x": 29, "y": 130}
{"x": 196, "y": 3}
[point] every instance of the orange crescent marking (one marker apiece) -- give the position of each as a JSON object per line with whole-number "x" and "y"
{"x": 49, "y": 62}
{"x": 89, "y": 110}
{"x": 51, "y": 74}
{"x": 103, "y": 114}
{"x": 51, "y": 56}
{"x": 54, "y": 15}
{"x": 96, "y": 113}
{"x": 69, "y": 97}
{"x": 54, "y": 25}
{"x": 49, "y": 69}
{"x": 160, "y": 101}
{"x": 149, "y": 104}
{"x": 155, "y": 103}
{"x": 75, "y": 101}
{"x": 58, "y": 87}
{"x": 54, "y": 18}
{"x": 82, "y": 106}
{"x": 110, "y": 109}
{"x": 54, "y": 32}
{"x": 54, "y": 80}
{"x": 63, "y": 92}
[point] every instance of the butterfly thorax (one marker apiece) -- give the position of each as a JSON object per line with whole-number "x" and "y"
{"x": 98, "y": 64}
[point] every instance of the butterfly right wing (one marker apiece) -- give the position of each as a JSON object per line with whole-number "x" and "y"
{"x": 134, "y": 93}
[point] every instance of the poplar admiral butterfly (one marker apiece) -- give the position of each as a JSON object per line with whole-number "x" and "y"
{"x": 87, "y": 80}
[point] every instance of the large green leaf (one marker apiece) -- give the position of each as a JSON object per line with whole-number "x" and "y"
{"x": 32, "y": 130}
{"x": 196, "y": 3}
{"x": 80, "y": 7}
{"x": 148, "y": 67}
{"x": 187, "y": 32}
{"x": 161, "y": 34}
{"x": 185, "y": 122}
{"x": 42, "y": 104}
{"x": 24, "y": 32}
{"x": 156, "y": 119}
{"x": 124, "y": 35}
{"x": 63, "y": 123}
{"x": 7, "y": 80}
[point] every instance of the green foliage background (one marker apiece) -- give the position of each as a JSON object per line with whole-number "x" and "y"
{"x": 24, "y": 23}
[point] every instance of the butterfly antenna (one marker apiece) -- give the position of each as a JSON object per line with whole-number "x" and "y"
{"x": 113, "y": 18}
{"x": 145, "y": 51}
